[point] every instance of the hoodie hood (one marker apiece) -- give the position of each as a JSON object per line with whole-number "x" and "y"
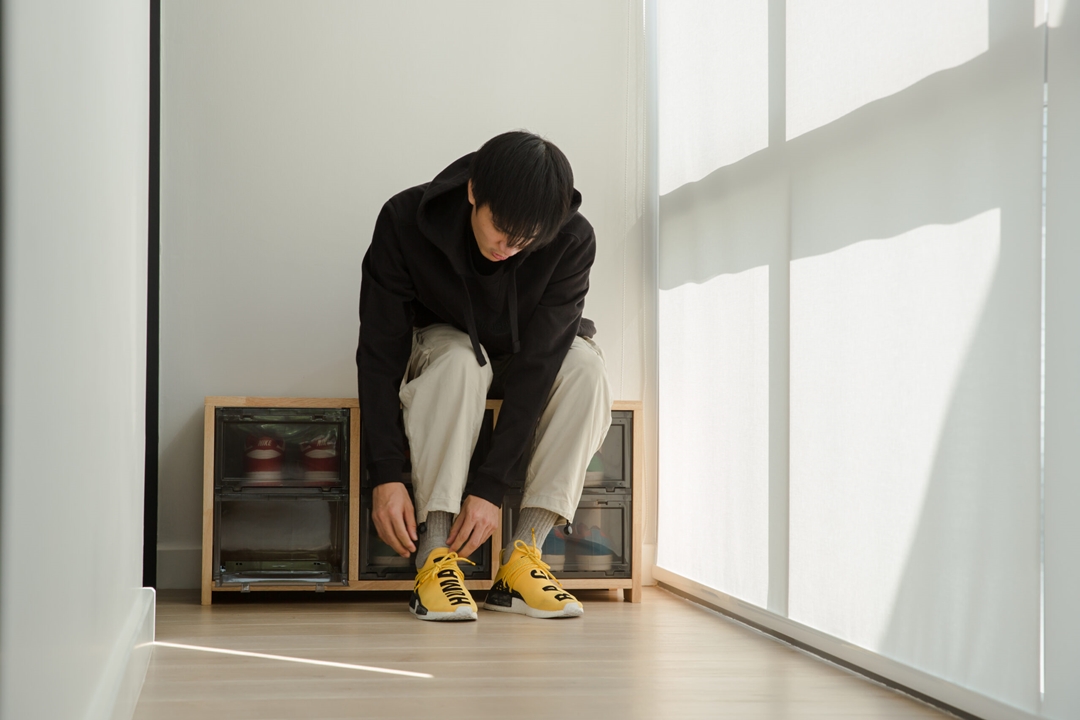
{"x": 445, "y": 210}
{"x": 443, "y": 216}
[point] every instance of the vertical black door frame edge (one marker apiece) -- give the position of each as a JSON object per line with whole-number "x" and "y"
{"x": 153, "y": 266}
{"x": 3, "y": 317}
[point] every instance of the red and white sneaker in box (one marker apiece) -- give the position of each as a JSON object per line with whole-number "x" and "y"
{"x": 320, "y": 457}
{"x": 263, "y": 459}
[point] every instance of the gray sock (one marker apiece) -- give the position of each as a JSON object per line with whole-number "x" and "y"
{"x": 436, "y": 530}
{"x": 530, "y": 519}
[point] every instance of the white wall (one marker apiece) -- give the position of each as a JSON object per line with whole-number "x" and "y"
{"x": 287, "y": 124}
{"x": 74, "y": 281}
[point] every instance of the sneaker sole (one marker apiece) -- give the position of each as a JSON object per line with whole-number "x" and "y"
{"x": 460, "y": 613}
{"x": 593, "y": 563}
{"x": 256, "y": 475}
{"x": 520, "y": 607}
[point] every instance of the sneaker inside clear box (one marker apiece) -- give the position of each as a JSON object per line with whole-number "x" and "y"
{"x": 595, "y": 544}
{"x": 280, "y": 538}
{"x": 281, "y": 448}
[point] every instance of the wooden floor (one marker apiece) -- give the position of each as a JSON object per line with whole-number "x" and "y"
{"x": 663, "y": 658}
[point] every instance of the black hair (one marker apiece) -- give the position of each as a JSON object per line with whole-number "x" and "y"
{"x": 527, "y": 183}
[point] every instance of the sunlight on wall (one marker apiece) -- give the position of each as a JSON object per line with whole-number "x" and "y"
{"x": 843, "y": 54}
{"x": 1055, "y": 13}
{"x": 713, "y": 71}
{"x": 879, "y": 333}
{"x": 714, "y": 433}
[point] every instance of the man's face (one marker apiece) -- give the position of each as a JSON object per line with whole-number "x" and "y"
{"x": 493, "y": 243}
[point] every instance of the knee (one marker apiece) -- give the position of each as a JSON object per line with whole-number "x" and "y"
{"x": 460, "y": 365}
{"x": 584, "y": 368}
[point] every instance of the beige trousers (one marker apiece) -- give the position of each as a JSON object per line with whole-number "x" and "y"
{"x": 443, "y": 395}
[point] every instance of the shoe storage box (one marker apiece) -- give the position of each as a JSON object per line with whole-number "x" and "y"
{"x": 281, "y": 448}
{"x": 610, "y": 468}
{"x": 287, "y": 507}
{"x": 379, "y": 562}
{"x": 595, "y": 545}
{"x": 281, "y": 500}
{"x": 598, "y": 542}
{"x": 281, "y": 539}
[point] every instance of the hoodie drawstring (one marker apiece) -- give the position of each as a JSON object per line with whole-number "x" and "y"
{"x": 470, "y": 318}
{"x": 515, "y": 345}
{"x": 470, "y": 322}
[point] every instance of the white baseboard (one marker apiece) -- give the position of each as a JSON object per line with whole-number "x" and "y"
{"x": 879, "y": 667}
{"x": 179, "y": 567}
{"x": 125, "y": 669}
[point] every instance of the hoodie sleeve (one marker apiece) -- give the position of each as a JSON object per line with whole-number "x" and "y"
{"x": 545, "y": 340}
{"x": 386, "y": 319}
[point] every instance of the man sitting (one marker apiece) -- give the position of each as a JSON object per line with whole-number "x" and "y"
{"x": 475, "y": 283}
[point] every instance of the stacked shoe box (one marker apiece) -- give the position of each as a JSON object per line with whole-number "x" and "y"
{"x": 378, "y": 561}
{"x": 281, "y": 496}
{"x": 597, "y": 544}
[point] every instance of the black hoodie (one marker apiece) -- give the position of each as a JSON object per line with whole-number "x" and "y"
{"x": 418, "y": 271}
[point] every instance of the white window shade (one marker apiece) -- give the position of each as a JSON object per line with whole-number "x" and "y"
{"x": 898, "y": 433}
{"x": 900, "y": 234}
{"x": 714, "y": 432}
{"x": 713, "y": 75}
{"x": 843, "y": 54}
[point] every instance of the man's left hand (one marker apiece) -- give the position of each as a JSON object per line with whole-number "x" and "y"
{"x": 474, "y": 524}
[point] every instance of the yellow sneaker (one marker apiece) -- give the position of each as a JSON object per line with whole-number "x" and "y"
{"x": 526, "y": 586}
{"x": 439, "y": 592}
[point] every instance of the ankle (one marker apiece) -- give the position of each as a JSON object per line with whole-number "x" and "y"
{"x": 432, "y": 535}
{"x": 534, "y": 524}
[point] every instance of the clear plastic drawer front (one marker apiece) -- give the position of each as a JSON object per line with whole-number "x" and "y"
{"x": 610, "y": 468}
{"x": 260, "y": 448}
{"x": 280, "y": 539}
{"x": 378, "y": 561}
{"x": 595, "y": 544}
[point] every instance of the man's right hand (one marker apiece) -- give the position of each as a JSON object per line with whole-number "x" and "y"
{"x": 394, "y": 517}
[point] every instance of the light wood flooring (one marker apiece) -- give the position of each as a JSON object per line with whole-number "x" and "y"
{"x": 663, "y": 658}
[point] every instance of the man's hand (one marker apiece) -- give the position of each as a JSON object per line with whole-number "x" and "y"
{"x": 474, "y": 524}
{"x": 394, "y": 517}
